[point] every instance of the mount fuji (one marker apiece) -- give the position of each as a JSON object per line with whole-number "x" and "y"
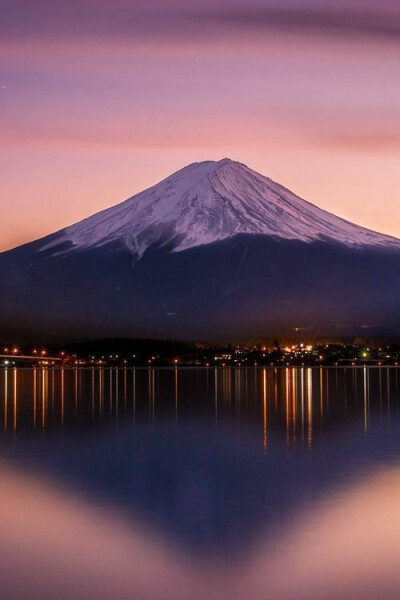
{"x": 215, "y": 251}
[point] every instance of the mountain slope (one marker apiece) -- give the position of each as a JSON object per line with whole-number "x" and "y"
{"x": 209, "y": 202}
{"x": 216, "y": 251}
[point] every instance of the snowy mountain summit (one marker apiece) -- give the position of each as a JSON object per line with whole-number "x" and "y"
{"x": 208, "y": 202}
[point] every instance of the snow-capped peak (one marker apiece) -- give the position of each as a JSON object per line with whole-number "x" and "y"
{"x": 210, "y": 201}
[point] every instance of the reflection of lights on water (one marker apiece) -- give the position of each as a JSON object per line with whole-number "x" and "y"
{"x": 15, "y": 397}
{"x": 265, "y": 433}
{"x": 228, "y": 395}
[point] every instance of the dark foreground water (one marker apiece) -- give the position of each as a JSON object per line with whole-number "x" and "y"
{"x": 200, "y": 484}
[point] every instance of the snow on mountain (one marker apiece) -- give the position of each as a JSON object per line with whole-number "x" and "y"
{"x": 208, "y": 202}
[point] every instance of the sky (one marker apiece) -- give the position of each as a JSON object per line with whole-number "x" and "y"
{"x": 100, "y": 99}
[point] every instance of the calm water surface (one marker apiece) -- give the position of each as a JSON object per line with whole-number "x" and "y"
{"x": 200, "y": 483}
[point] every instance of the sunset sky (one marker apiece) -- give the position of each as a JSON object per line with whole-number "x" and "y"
{"x": 102, "y": 98}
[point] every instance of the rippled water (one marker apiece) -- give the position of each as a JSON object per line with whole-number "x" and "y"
{"x": 200, "y": 483}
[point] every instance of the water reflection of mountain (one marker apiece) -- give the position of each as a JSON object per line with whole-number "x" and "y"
{"x": 213, "y": 478}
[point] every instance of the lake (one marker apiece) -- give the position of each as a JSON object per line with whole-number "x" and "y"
{"x": 164, "y": 484}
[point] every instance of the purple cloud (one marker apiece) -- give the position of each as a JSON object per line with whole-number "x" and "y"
{"x": 122, "y": 18}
